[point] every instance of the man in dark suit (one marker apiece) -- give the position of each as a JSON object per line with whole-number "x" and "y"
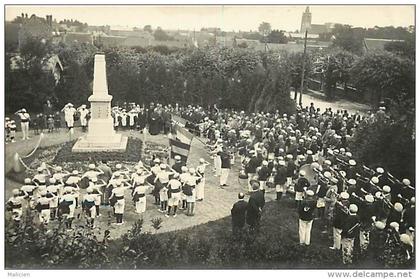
{"x": 238, "y": 212}
{"x": 255, "y": 206}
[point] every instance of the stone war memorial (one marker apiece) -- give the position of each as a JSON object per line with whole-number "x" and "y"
{"x": 101, "y": 135}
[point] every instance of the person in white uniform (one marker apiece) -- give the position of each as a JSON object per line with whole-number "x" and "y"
{"x": 25, "y": 118}
{"x": 84, "y": 112}
{"x": 174, "y": 187}
{"x": 15, "y": 205}
{"x": 201, "y": 169}
{"x": 119, "y": 205}
{"x": 69, "y": 112}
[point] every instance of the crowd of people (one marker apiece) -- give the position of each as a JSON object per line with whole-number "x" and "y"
{"x": 304, "y": 156}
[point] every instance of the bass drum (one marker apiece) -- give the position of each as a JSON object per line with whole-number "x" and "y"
{"x": 310, "y": 174}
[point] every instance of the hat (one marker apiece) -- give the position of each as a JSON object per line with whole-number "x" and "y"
{"x": 94, "y": 179}
{"x": 398, "y": 207}
{"x": 327, "y": 174}
{"x": 265, "y": 163}
{"x": 380, "y": 225}
{"x": 352, "y": 181}
{"x": 369, "y": 198}
{"x": 139, "y": 171}
{"x": 156, "y": 160}
{"x": 184, "y": 169}
{"x": 91, "y": 166}
{"x": 310, "y": 193}
{"x": 343, "y": 173}
{"x": 315, "y": 165}
{"x": 282, "y": 163}
{"x": 162, "y": 166}
{"x": 15, "y": 192}
{"x": 386, "y": 189}
{"x": 43, "y": 193}
{"x": 302, "y": 173}
{"x": 118, "y": 182}
{"x": 342, "y": 149}
{"x": 191, "y": 170}
{"x": 344, "y": 195}
{"x": 52, "y": 180}
{"x": 118, "y": 166}
{"x": 58, "y": 168}
{"x": 348, "y": 154}
{"x": 39, "y": 169}
{"x": 353, "y": 208}
{"x": 27, "y": 180}
{"x": 374, "y": 180}
{"x": 68, "y": 189}
{"x": 75, "y": 172}
{"x": 241, "y": 196}
{"x": 89, "y": 190}
{"x": 380, "y": 170}
{"x": 23, "y": 110}
{"x": 309, "y": 152}
{"x": 394, "y": 225}
{"x": 177, "y": 158}
{"x": 352, "y": 162}
{"x": 406, "y": 182}
{"x": 289, "y": 156}
{"x": 406, "y": 239}
{"x": 327, "y": 162}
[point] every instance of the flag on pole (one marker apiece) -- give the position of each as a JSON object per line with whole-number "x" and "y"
{"x": 179, "y": 148}
{"x": 183, "y": 135}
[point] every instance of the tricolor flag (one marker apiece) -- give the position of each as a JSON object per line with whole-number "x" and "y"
{"x": 183, "y": 135}
{"x": 179, "y": 148}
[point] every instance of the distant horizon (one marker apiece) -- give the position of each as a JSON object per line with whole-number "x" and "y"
{"x": 226, "y": 17}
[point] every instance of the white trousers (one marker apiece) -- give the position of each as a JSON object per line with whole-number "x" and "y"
{"x": 200, "y": 189}
{"x": 217, "y": 165}
{"x": 141, "y": 205}
{"x": 224, "y": 176}
{"x": 337, "y": 238}
{"x": 305, "y": 228}
{"x": 25, "y": 130}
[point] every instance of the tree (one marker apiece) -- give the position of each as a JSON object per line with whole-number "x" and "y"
{"x": 264, "y": 29}
{"x": 405, "y": 48}
{"x": 384, "y": 75}
{"x": 277, "y": 37}
{"x": 148, "y": 28}
{"x": 161, "y": 35}
{"x": 347, "y": 38}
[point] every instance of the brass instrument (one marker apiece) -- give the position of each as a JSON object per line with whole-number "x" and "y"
{"x": 343, "y": 208}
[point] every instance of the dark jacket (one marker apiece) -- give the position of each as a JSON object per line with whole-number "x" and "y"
{"x": 255, "y": 205}
{"x": 351, "y": 226}
{"x": 306, "y": 210}
{"x": 238, "y": 212}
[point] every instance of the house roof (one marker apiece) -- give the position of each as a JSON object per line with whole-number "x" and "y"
{"x": 377, "y": 44}
{"x": 318, "y": 29}
{"x": 78, "y": 36}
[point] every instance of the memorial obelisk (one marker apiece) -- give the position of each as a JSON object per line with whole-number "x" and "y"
{"x": 101, "y": 135}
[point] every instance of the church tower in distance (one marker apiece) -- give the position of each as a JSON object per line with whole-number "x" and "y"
{"x": 306, "y": 21}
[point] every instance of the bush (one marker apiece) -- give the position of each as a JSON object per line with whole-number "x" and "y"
{"x": 35, "y": 247}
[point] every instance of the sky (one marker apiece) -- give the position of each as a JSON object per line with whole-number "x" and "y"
{"x": 227, "y": 17}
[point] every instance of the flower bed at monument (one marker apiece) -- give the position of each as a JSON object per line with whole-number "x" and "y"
{"x": 131, "y": 154}
{"x": 61, "y": 154}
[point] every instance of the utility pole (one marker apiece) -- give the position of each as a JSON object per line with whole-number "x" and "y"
{"x": 302, "y": 81}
